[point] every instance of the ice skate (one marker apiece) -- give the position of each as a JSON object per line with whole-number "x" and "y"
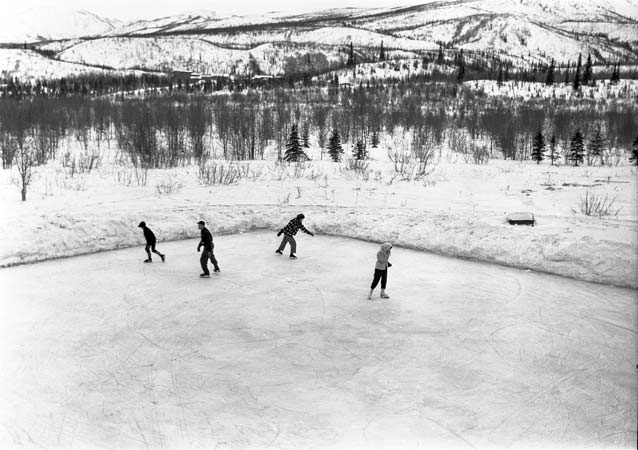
{"x": 216, "y": 269}
{"x": 149, "y": 260}
{"x": 163, "y": 258}
{"x": 204, "y": 275}
{"x": 279, "y": 252}
{"x": 370, "y": 295}
{"x": 292, "y": 256}
{"x": 384, "y": 295}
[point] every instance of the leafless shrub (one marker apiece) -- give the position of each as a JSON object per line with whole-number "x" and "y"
{"x": 596, "y": 205}
{"x": 168, "y": 186}
{"x": 141, "y": 175}
{"x": 216, "y": 173}
{"x": 480, "y": 154}
{"x": 458, "y": 141}
{"x": 72, "y": 183}
{"x": 85, "y": 162}
{"x": 305, "y": 169}
{"x": 245, "y": 170}
{"x": 424, "y": 153}
{"x": 24, "y": 159}
{"x": 123, "y": 177}
{"x": 408, "y": 167}
{"x": 359, "y": 167}
{"x": 401, "y": 160}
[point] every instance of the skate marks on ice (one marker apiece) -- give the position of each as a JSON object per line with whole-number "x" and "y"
{"x": 105, "y": 351}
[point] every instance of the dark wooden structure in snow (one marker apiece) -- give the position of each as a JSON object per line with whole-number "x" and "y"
{"x": 521, "y": 218}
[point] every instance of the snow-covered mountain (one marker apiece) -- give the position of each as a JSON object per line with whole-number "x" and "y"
{"x": 521, "y": 30}
{"x": 535, "y": 29}
{"x": 52, "y": 22}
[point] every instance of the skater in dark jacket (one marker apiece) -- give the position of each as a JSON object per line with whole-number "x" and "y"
{"x": 150, "y": 243}
{"x": 207, "y": 243}
{"x": 289, "y": 231}
{"x": 381, "y": 270}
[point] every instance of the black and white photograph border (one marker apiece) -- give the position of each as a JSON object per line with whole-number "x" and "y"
{"x": 373, "y": 225}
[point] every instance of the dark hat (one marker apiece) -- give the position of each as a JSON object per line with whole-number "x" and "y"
{"x": 201, "y": 222}
{"x": 301, "y": 216}
{"x": 142, "y": 224}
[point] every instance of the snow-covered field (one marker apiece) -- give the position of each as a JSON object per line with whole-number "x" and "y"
{"x": 103, "y": 351}
{"x": 29, "y": 65}
{"x": 459, "y": 210}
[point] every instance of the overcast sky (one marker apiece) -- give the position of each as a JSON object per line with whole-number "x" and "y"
{"x": 146, "y": 9}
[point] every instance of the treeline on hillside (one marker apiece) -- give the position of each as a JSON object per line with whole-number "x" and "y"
{"x": 181, "y": 128}
{"x": 444, "y": 65}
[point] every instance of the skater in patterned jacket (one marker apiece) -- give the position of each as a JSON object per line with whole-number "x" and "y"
{"x": 207, "y": 243}
{"x": 381, "y": 270}
{"x": 150, "y": 243}
{"x": 289, "y": 231}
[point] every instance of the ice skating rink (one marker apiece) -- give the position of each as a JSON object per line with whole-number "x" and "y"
{"x": 103, "y": 351}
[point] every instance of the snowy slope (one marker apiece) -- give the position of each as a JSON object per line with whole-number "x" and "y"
{"x": 155, "y": 53}
{"x": 198, "y": 54}
{"x": 29, "y": 65}
{"x": 53, "y": 22}
{"x": 535, "y": 28}
{"x": 460, "y": 212}
{"x": 525, "y": 30}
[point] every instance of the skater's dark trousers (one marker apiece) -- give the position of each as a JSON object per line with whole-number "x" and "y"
{"x": 151, "y": 246}
{"x": 206, "y": 255}
{"x": 288, "y": 239}
{"x": 379, "y": 275}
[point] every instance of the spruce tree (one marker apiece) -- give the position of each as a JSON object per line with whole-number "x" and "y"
{"x": 305, "y": 136}
{"x": 634, "y": 153}
{"x": 577, "y": 76}
{"x": 552, "y": 150}
{"x": 360, "y": 152}
{"x": 499, "y": 80}
{"x": 460, "y": 75}
{"x": 350, "y": 61}
{"x": 549, "y": 78}
{"x": 576, "y": 149}
{"x": 615, "y": 74}
{"x": 588, "y": 76}
{"x": 538, "y": 148}
{"x": 440, "y": 59}
{"x": 293, "y": 148}
{"x": 334, "y": 146}
{"x": 567, "y": 73}
{"x": 597, "y": 145}
{"x": 374, "y": 140}
{"x": 382, "y": 53}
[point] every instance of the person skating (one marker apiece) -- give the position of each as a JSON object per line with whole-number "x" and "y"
{"x": 151, "y": 241}
{"x": 207, "y": 243}
{"x": 289, "y": 231}
{"x": 381, "y": 270}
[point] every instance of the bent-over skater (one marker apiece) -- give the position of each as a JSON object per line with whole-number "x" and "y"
{"x": 381, "y": 270}
{"x": 207, "y": 243}
{"x": 289, "y": 231}
{"x": 150, "y": 243}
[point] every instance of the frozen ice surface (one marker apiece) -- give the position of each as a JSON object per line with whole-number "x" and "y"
{"x": 103, "y": 351}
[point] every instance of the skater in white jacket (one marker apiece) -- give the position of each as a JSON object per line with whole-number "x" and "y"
{"x": 381, "y": 270}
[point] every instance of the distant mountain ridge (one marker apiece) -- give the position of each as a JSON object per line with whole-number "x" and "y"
{"x": 51, "y": 23}
{"x": 277, "y": 43}
{"x": 538, "y": 28}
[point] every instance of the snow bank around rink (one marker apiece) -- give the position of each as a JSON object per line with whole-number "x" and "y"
{"x": 59, "y": 234}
